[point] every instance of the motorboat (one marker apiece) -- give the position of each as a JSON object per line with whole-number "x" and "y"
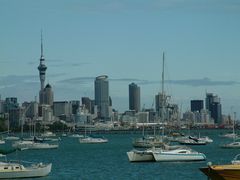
{"x": 232, "y": 145}
{"x": 192, "y": 141}
{"x": 206, "y": 139}
{"x": 11, "y": 138}
{"x": 92, "y": 140}
{"x": 178, "y": 155}
{"x": 225, "y": 171}
{"x": 141, "y": 156}
{"x": 76, "y": 136}
{"x": 229, "y": 135}
{"x": 9, "y": 170}
{"x": 48, "y": 134}
{"x": 33, "y": 145}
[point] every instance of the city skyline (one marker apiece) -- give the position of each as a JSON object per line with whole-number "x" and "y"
{"x": 125, "y": 41}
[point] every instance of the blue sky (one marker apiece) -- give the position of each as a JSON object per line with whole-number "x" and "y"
{"x": 123, "y": 39}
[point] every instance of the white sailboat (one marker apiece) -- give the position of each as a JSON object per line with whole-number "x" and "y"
{"x": 234, "y": 144}
{"x": 92, "y": 140}
{"x": 154, "y": 141}
{"x": 33, "y": 145}
{"x": 233, "y": 134}
{"x": 9, "y": 136}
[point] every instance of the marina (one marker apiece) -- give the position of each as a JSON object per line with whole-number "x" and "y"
{"x": 98, "y": 161}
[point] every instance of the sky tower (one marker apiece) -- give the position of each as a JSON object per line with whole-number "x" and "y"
{"x": 42, "y": 67}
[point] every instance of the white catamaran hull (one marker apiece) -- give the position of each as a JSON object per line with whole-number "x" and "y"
{"x": 140, "y": 156}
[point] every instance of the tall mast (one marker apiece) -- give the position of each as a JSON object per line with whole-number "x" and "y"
{"x": 163, "y": 98}
{"x": 163, "y": 94}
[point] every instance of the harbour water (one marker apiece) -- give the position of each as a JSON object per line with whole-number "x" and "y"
{"x": 73, "y": 160}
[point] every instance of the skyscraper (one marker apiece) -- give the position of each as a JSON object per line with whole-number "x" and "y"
{"x": 196, "y": 105}
{"x": 134, "y": 97}
{"x": 214, "y": 106}
{"x": 102, "y": 97}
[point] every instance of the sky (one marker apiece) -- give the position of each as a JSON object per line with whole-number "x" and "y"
{"x": 124, "y": 39}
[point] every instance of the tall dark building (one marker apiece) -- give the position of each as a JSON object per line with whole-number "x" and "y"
{"x": 134, "y": 97}
{"x": 216, "y": 112}
{"x": 75, "y": 106}
{"x": 102, "y": 97}
{"x": 87, "y": 102}
{"x": 196, "y": 105}
{"x": 214, "y": 106}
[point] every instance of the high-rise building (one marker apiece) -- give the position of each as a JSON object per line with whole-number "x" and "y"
{"x": 87, "y": 103}
{"x": 102, "y": 97}
{"x": 213, "y": 105}
{"x": 75, "y": 106}
{"x": 196, "y": 105}
{"x": 134, "y": 97}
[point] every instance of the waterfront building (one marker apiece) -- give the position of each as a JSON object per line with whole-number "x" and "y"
{"x": 134, "y": 97}
{"x": 102, "y": 97}
{"x": 45, "y": 114}
{"x": 142, "y": 117}
{"x": 196, "y": 105}
{"x": 62, "y": 108}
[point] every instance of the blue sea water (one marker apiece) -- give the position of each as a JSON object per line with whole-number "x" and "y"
{"x": 73, "y": 160}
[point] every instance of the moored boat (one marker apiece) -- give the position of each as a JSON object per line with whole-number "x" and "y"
{"x": 33, "y": 145}
{"x": 178, "y": 155}
{"x": 140, "y": 156}
{"x": 92, "y": 140}
{"x": 223, "y": 172}
{"x": 233, "y": 145}
{"x": 9, "y": 170}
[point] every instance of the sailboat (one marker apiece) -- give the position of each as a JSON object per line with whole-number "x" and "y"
{"x": 9, "y": 136}
{"x": 234, "y": 144}
{"x": 91, "y": 140}
{"x": 233, "y": 134}
{"x": 153, "y": 141}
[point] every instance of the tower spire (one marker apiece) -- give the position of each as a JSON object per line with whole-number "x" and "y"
{"x": 42, "y": 67}
{"x": 41, "y": 45}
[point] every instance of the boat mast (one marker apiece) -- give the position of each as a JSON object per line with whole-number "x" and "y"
{"x": 234, "y": 118}
{"x": 163, "y": 96}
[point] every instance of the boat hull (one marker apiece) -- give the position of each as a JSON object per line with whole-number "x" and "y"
{"x": 27, "y": 172}
{"x": 159, "y": 156}
{"x": 222, "y": 172}
{"x": 90, "y": 140}
{"x": 140, "y": 156}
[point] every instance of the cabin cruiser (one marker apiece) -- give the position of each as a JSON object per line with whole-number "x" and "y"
{"x": 9, "y": 170}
